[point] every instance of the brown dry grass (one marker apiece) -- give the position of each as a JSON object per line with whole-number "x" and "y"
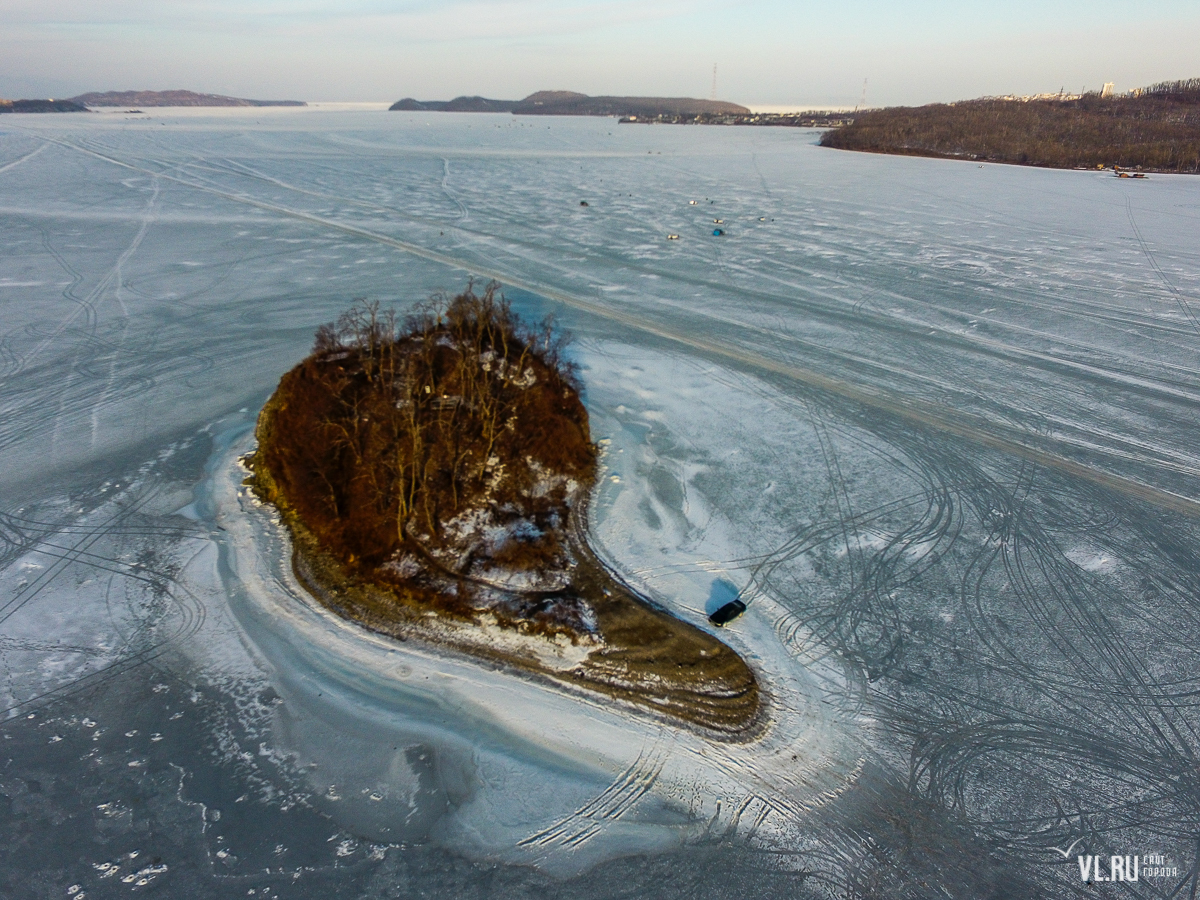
{"x": 1158, "y": 131}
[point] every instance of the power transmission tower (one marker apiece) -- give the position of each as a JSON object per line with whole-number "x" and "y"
{"x": 862, "y": 102}
{"x": 714, "y": 88}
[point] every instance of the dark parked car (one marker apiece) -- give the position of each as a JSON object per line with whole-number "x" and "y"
{"x": 728, "y": 612}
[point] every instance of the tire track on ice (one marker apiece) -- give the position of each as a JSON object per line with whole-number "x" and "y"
{"x": 1184, "y": 306}
{"x": 148, "y": 216}
{"x": 607, "y": 806}
{"x": 928, "y": 414}
{"x": 25, "y": 158}
{"x": 80, "y": 551}
{"x": 87, "y": 304}
{"x": 186, "y": 608}
{"x": 463, "y": 215}
{"x": 831, "y": 309}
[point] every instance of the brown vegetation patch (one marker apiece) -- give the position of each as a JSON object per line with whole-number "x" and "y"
{"x": 1156, "y": 130}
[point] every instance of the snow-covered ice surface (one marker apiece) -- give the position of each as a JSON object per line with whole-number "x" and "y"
{"x": 935, "y": 422}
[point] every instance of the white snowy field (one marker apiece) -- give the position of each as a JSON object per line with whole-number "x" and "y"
{"x": 935, "y": 421}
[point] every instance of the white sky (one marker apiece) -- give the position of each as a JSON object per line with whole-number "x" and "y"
{"x": 768, "y": 53}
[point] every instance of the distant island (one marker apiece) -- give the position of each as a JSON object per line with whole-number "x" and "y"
{"x": 41, "y": 106}
{"x": 569, "y": 103}
{"x": 434, "y": 474}
{"x": 1154, "y": 129}
{"x": 172, "y": 98}
{"x": 458, "y": 104}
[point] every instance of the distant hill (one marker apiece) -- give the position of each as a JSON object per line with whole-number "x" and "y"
{"x": 173, "y": 98}
{"x": 1156, "y": 129}
{"x": 458, "y": 104}
{"x": 569, "y": 103}
{"x": 40, "y": 106}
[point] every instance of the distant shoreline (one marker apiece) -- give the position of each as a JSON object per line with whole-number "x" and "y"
{"x": 631, "y": 110}
{"x": 41, "y": 106}
{"x": 171, "y": 98}
{"x": 1155, "y": 129}
{"x": 639, "y": 110}
{"x": 810, "y": 119}
{"x": 570, "y": 103}
{"x": 134, "y": 100}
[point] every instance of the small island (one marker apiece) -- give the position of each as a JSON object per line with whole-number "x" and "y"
{"x": 458, "y": 104}
{"x": 172, "y": 98}
{"x": 434, "y": 475}
{"x": 1154, "y": 129}
{"x": 41, "y": 106}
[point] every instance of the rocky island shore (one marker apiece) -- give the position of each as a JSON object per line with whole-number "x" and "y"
{"x": 434, "y": 475}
